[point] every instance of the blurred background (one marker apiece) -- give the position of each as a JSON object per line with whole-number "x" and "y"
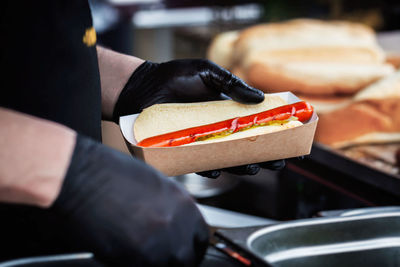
{"x": 162, "y": 30}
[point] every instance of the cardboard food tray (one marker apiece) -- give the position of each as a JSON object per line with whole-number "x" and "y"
{"x": 180, "y": 160}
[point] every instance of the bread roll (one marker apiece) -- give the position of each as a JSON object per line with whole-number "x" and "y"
{"x": 394, "y": 59}
{"x": 221, "y": 49}
{"x": 315, "y": 78}
{"x": 373, "y": 117}
{"x": 164, "y": 118}
{"x": 307, "y": 33}
{"x": 385, "y": 88}
{"x": 305, "y": 56}
{"x": 369, "y": 121}
{"x": 321, "y": 54}
{"x": 239, "y": 72}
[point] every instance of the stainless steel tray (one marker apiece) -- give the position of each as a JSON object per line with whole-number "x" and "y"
{"x": 84, "y": 259}
{"x": 371, "y": 239}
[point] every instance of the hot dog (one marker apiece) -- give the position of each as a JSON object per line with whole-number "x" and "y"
{"x": 300, "y": 110}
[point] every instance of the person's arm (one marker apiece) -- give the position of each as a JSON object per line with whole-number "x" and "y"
{"x": 82, "y": 194}
{"x": 130, "y": 84}
{"x": 34, "y": 158}
{"x": 115, "y": 70}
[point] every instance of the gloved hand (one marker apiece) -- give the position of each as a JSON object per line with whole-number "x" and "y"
{"x": 250, "y": 169}
{"x": 184, "y": 81}
{"x": 181, "y": 81}
{"x": 122, "y": 210}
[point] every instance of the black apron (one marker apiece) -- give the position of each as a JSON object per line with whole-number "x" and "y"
{"x": 48, "y": 69}
{"x": 49, "y": 62}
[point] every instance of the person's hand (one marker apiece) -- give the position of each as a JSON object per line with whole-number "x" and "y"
{"x": 188, "y": 80}
{"x": 250, "y": 169}
{"x": 120, "y": 209}
{"x": 181, "y": 81}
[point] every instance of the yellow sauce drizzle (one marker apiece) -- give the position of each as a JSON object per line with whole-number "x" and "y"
{"x": 229, "y": 132}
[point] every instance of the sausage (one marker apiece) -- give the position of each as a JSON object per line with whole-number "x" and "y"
{"x": 302, "y": 110}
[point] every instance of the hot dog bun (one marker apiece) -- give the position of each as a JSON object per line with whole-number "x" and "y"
{"x": 306, "y": 56}
{"x": 314, "y": 78}
{"x": 164, "y": 118}
{"x": 373, "y": 117}
{"x": 308, "y": 33}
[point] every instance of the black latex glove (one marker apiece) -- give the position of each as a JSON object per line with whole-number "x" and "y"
{"x": 122, "y": 210}
{"x": 183, "y": 81}
{"x": 250, "y": 169}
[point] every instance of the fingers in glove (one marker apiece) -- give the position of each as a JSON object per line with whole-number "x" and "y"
{"x": 250, "y": 169}
{"x": 98, "y": 185}
{"x": 213, "y": 174}
{"x": 222, "y": 80}
{"x": 274, "y": 165}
